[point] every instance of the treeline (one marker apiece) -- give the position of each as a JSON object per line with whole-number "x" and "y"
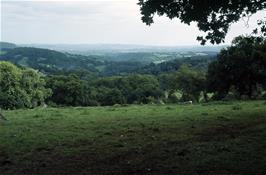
{"x": 238, "y": 73}
{"x": 26, "y": 88}
{"x": 70, "y": 90}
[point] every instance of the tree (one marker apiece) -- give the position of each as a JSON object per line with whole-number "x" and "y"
{"x": 143, "y": 88}
{"x": 10, "y": 89}
{"x": 167, "y": 82}
{"x": 242, "y": 66}
{"x": 212, "y": 16}
{"x": 33, "y": 84}
{"x": 191, "y": 82}
{"x": 128, "y": 89}
{"x": 21, "y": 87}
{"x": 69, "y": 90}
{"x": 107, "y": 96}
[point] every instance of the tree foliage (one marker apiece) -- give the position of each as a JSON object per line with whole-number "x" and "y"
{"x": 133, "y": 88}
{"x": 212, "y": 16}
{"x": 191, "y": 82}
{"x": 21, "y": 87}
{"x": 242, "y": 66}
{"x": 69, "y": 90}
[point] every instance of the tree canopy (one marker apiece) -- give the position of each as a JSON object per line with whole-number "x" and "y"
{"x": 212, "y": 16}
{"x": 21, "y": 88}
{"x": 240, "y": 68}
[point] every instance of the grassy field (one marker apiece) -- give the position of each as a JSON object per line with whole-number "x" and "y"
{"x": 211, "y": 139}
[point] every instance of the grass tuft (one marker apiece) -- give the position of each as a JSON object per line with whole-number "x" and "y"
{"x": 236, "y": 107}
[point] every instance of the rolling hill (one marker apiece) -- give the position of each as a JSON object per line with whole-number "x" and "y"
{"x": 47, "y": 60}
{"x": 6, "y": 45}
{"x": 54, "y": 62}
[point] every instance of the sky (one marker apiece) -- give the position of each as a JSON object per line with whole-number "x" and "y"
{"x": 97, "y": 22}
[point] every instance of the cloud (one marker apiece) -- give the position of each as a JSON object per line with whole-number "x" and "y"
{"x": 94, "y": 21}
{"x": 49, "y": 9}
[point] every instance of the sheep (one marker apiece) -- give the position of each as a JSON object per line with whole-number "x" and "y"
{"x": 187, "y": 103}
{"x": 44, "y": 105}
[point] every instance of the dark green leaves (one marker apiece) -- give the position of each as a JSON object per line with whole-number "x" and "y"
{"x": 212, "y": 16}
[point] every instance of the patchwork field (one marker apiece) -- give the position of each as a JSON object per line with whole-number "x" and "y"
{"x": 215, "y": 138}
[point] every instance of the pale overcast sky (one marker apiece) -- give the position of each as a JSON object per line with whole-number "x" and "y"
{"x": 96, "y": 21}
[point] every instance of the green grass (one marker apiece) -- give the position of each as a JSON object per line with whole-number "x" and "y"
{"x": 215, "y": 138}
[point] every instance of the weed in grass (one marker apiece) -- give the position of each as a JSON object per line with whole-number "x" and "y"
{"x": 111, "y": 109}
{"x": 117, "y": 105}
{"x": 37, "y": 116}
{"x": 223, "y": 118}
{"x": 58, "y": 115}
{"x": 169, "y": 108}
{"x": 118, "y": 144}
{"x": 217, "y": 103}
{"x": 85, "y": 112}
{"x": 256, "y": 105}
{"x": 107, "y": 133}
{"x": 79, "y": 108}
{"x": 236, "y": 107}
{"x": 155, "y": 129}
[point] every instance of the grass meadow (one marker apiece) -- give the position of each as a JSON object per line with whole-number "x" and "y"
{"x": 217, "y": 138}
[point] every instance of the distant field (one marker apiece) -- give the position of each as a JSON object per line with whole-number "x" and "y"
{"x": 210, "y": 139}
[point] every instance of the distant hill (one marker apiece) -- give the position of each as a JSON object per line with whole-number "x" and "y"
{"x": 122, "y": 68}
{"x": 133, "y": 53}
{"x": 197, "y": 62}
{"x": 154, "y": 57}
{"x": 6, "y": 45}
{"x": 55, "y": 62}
{"x": 47, "y": 60}
{"x": 89, "y": 49}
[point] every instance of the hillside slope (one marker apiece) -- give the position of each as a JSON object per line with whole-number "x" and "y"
{"x": 55, "y": 62}
{"x": 6, "y": 45}
{"x": 47, "y": 60}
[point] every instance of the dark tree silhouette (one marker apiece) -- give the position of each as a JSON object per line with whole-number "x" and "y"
{"x": 212, "y": 16}
{"x": 240, "y": 68}
{"x": 2, "y": 116}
